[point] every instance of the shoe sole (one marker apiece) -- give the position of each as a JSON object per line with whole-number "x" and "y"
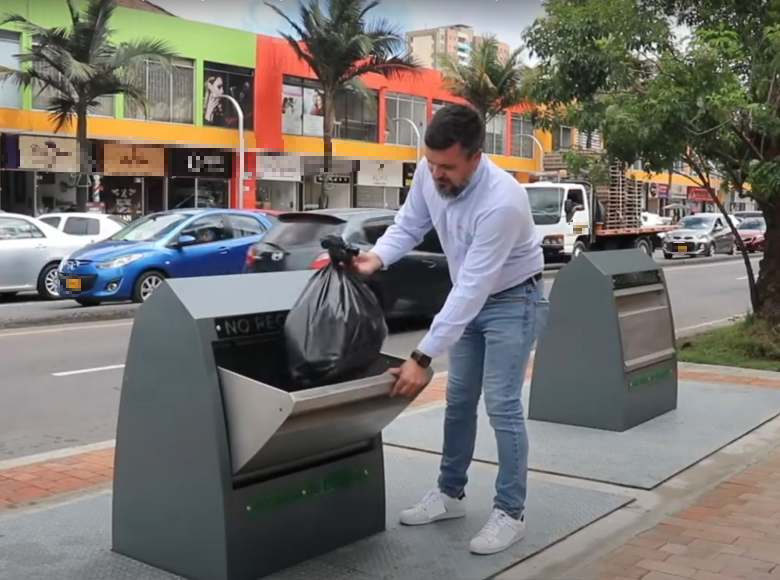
{"x": 444, "y": 516}
{"x": 497, "y": 550}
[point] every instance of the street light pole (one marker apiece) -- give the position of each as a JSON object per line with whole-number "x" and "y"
{"x": 541, "y": 150}
{"x": 414, "y": 128}
{"x": 240, "y": 149}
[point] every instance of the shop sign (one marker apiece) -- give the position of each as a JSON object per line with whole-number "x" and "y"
{"x": 380, "y": 173}
{"x": 201, "y": 163}
{"x": 121, "y": 159}
{"x": 340, "y": 179}
{"x": 677, "y": 191}
{"x": 279, "y": 167}
{"x": 698, "y": 194}
{"x": 662, "y": 190}
{"x": 53, "y": 154}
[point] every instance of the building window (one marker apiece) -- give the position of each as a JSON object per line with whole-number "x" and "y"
{"x": 302, "y": 113}
{"x": 522, "y": 137}
{"x": 678, "y": 166}
{"x": 356, "y": 115}
{"x": 169, "y": 91}
{"x": 399, "y": 107}
{"x": 562, "y": 138}
{"x": 494, "y": 135}
{"x": 42, "y": 98}
{"x": 595, "y": 140}
{"x": 223, "y": 79}
{"x": 10, "y": 95}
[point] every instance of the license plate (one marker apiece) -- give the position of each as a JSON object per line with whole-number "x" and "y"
{"x": 73, "y": 284}
{"x": 682, "y": 248}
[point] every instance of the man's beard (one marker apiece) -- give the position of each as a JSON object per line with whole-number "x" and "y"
{"x": 452, "y": 191}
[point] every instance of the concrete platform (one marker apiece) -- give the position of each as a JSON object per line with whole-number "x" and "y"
{"x": 71, "y": 541}
{"x": 707, "y": 418}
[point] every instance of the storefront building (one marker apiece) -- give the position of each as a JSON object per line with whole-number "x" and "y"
{"x": 186, "y": 111}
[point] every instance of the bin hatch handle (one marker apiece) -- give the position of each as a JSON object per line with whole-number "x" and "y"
{"x": 649, "y": 359}
{"x": 253, "y": 413}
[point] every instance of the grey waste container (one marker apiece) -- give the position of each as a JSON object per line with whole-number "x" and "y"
{"x": 607, "y": 358}
{"x": 224, "y": 468}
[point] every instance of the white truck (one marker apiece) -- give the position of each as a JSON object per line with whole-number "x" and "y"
{"x": 573, "y": 220}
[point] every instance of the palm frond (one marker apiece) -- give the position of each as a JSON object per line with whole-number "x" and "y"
{"x": 61, "y": 110}
{"x": 73, "y": 10}
{"x": 129, "y": 53}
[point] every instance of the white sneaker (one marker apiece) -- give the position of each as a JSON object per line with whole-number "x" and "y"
{"x": 434, "y": 506}
{"x": 500, "y": 532}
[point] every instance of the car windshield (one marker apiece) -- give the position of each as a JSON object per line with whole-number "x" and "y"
{"x": 753, "y": 224}
{"x": 300, "y": 233}
{"x": 150, "y": 228}
{"x": 545, "y": 204}
{"x": 696, "y": 223}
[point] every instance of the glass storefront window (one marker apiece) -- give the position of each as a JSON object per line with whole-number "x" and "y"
{"x": 197, "y": 192}
{"x": 405, "y": 107}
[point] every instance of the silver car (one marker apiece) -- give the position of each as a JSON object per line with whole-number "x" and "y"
{"x": 30, "y": 252}
{"x": 702, "y": 234}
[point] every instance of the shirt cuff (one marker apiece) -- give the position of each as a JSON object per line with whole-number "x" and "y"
{"x": 429, "y": 346}
{"x": 385, "y": 254}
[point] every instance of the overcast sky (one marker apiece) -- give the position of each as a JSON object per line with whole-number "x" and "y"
{"x": 505, "y": 18}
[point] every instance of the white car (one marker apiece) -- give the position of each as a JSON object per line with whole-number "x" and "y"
{"x": 92, "y": 227}
{"x": 30, "y": 253}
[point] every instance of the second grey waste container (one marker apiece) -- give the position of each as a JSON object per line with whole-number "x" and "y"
{"x": 607, "y": 358}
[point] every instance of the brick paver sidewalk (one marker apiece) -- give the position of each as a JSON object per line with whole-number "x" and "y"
{"x": 730, "y": 533}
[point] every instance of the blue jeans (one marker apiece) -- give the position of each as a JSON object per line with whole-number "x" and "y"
{"x": 492, "y": 355}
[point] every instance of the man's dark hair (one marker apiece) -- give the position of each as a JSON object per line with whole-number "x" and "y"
{"x": 456, "y": 124}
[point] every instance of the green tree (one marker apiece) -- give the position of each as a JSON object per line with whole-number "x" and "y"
{"x": 710, "y": 98}
{"x": 80, "y": 64}
{"x": 340, "y": 45}
{"x": 489, "y": 83}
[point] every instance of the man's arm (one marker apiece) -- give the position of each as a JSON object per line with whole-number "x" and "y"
{"x": 412, "y": 222}
{"x": 494, "y": 239}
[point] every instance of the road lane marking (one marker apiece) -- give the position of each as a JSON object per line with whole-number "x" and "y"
{"x": 85, "y": 371}
{"x": 702, "y": 266}
{"x": 69, "y": 327}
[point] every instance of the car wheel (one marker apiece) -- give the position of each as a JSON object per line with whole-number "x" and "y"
{"x": 146, "y": 284}
{"x": 88, "y": 301}
{"x": 579, "y": 248}
{"x": 49, "y": 282}
{"x": 668, "y": 256}
{"x": 710, "y": 250}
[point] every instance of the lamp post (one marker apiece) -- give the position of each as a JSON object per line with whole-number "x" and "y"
{"x": 414, "y": 128}
{"x": 541, "y": 150}
{"x": 240, "y": 148}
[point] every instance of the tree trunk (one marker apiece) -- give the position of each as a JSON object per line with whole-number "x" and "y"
{"x": 769, "y": 274}
{"x": 745, "y": 255}
{"x": 85, "y": 162}
{"x": 328, "y": 114}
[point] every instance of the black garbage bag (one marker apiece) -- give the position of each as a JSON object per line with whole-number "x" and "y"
{"x": 337, "y": 327}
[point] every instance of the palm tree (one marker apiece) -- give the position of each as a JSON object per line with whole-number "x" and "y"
{"x": 80, "y": 64}
{"x": 340, "y": 46}
{"x": 490, "y": 84}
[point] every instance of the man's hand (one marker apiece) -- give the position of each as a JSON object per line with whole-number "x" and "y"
{"x": 366, "y": 263}
{"x": 411, "y": 378}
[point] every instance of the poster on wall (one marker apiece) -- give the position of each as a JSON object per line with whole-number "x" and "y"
{"x": 222, "y": 79}
{"x": 313, "y": 118}
{"x": 55, "y": 154}
{"x": 292, "y": 110}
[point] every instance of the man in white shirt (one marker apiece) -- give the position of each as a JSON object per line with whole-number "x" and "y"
{"x": 489, "y": 322}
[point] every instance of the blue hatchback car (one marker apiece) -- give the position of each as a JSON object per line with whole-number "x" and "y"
{"x": 132, "y": 263}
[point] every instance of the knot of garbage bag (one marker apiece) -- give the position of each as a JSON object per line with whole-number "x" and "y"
{"x": 341, "y": 253}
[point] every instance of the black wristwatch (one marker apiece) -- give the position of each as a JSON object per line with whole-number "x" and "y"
{"x": 421, "y": 359}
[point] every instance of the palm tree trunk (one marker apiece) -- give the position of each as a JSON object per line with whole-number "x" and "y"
{"x": 82, "y": 189}
{"x": 328, "y": 113}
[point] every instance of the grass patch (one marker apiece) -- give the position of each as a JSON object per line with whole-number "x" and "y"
{"x": 750, "y": 344}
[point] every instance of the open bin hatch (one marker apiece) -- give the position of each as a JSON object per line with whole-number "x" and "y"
{"x": 275, "y": 426}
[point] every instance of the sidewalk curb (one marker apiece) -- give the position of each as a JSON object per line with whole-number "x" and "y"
{"x": 89, "y": 314}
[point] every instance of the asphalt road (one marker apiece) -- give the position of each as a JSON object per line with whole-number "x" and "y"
{"x": 60, "y": 384}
